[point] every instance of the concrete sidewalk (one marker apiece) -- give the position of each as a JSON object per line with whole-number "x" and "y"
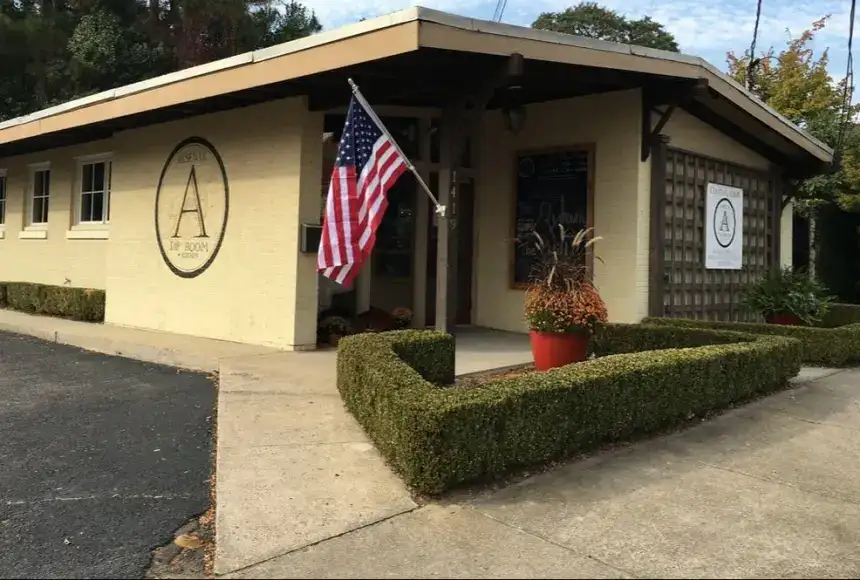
{"x": 190, "y": 352}
{"x": 293, "y": 467}
{"x": 769, "y": 490}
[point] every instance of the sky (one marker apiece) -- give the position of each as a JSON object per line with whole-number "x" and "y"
{"x": 705, "y": 29}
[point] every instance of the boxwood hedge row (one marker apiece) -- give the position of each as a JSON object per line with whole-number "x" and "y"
{"x": 841, "y": 315}
{"x": 437, "y": 436}
{"x": 76, "y": 303}
{"x": 830, "y": 347}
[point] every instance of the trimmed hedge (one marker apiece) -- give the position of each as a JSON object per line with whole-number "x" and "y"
{"x": 75, "y": 303}
{"x": 841, "y": 315}
{"x": 437, "y": 437}
{"x": 829, "y": 347}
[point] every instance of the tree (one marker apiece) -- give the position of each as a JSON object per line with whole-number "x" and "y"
{"x": 595, "y": 21}
{"x": 55, "y": 50}
{"x": 795, "y": 82}
{"x": 109, "y": 49}
{"x": 283, "y": 21}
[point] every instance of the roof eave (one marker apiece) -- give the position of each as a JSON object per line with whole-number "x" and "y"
{"x": 622, "y": 56}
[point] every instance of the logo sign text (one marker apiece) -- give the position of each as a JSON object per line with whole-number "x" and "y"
{"x": 724, "y": 227}
{"x": 191, "y": 207}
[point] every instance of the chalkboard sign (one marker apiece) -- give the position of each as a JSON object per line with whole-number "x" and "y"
{"x": 552, "y": 188}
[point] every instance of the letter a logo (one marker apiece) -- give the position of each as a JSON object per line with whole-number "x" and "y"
{"x": 197, "y": 209}
{"x": 724, "y": 223}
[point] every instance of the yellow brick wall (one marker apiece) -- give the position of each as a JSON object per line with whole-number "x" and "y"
{"x": 689, "y": 133}
{"x": 259, "y": 289}
{"x": 55, "y": 259}
{"x": 611, "y": 123}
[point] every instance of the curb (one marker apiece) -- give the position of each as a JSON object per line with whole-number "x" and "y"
{"x": 163, "y": 356}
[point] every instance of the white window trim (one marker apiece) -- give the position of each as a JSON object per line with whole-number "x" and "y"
{"x": 38, "y": 229}
{"x": 3, "y": 173}
{"x": 33, "y": 234}
{"x": 92, "y": 234}
{"x": 79, "y": 230}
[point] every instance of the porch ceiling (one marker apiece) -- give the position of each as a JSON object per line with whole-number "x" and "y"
{"x": 427, "y": 77}
{"x": 431, "y": 77}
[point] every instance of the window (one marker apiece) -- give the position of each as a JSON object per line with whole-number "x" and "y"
{"x": 2, "y": 198}
{"x": 94, "y": 199}
{"x": 40, "y": 196}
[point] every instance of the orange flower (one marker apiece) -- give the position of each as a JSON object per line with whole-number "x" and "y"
{"x": 580, "y": 309}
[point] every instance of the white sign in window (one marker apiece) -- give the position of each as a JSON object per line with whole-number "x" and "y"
{"x": 724, "y": 227}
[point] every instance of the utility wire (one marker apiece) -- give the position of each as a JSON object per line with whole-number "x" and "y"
{"x": 753, "y": 62}
{"x": 500, "y": 10}
{"x": 849, "y": 88}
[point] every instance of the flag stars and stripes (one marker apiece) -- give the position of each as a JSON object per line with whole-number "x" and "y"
{"x": 368, "y": 163}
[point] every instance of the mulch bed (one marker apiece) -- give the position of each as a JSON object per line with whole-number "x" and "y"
{"x": 480, "y": 378}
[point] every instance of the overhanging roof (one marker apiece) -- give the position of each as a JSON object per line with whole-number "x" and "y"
{"x": 423, "y": 53}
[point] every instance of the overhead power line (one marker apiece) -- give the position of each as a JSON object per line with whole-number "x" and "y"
{"x": 753, "y": 62}
{"x": 500, "y": 10}
{"x": 847, "y": 97}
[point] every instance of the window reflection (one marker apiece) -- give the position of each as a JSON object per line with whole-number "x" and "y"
{"x": 393, "y": 253}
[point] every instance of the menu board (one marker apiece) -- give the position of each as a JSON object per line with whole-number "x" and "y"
{"x": 552, "y": 189}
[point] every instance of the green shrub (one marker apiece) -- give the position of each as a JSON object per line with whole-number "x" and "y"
{"x": 831, "y": 347}
{"x": 2, "y": 295}
{"x": 76, "y": 303}
{"x": 437, "y": 437}
{"x": 431, "y": 353}
{"x": 841, "y": 315}
{"x": 788, "y": 292}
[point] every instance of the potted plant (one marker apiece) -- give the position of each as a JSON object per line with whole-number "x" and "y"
{"x": 402, "y": 317}
{"x": 562, "y": 306}
{"x": 333, "y": 328}
{"x": 789, "y": 297}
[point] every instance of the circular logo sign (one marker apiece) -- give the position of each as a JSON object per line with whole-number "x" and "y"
{"x": 725, "y": 222}
{"x": 191, "y": 207}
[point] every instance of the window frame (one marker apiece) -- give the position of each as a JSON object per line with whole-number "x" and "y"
{"x": 78, "y": 193}
{"x": 29, "y": 223}
{"x": 4, "y": 201}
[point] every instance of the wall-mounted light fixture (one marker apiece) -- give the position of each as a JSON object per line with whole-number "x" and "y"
{"x": 515, "y": 118}
{"x": 513, "y": 110}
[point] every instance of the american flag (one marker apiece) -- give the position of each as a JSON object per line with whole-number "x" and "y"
{"x": 368, "y": 163}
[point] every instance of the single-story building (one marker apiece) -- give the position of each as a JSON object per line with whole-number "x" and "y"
{"x": 191, "y": 198}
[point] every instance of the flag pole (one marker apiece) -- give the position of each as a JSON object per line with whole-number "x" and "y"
{"x": 440, "y": 209}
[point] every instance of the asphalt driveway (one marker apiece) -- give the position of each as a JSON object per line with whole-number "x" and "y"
{"x": 101, "y": 459}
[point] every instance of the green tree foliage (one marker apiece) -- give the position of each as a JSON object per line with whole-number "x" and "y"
{"x": 595, "y": 21}
{"x": 795, "y": 82}
{"x": 55, "y": 50}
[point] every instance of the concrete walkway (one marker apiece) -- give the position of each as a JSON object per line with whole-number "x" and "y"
{"x": 190, "y": 352}
{"x": 768, "y": 490}
{"x": 293, "y": 467}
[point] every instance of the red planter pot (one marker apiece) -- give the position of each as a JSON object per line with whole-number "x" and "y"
{"x": 784, "y": 319}
{"x": 555, "y": 349}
